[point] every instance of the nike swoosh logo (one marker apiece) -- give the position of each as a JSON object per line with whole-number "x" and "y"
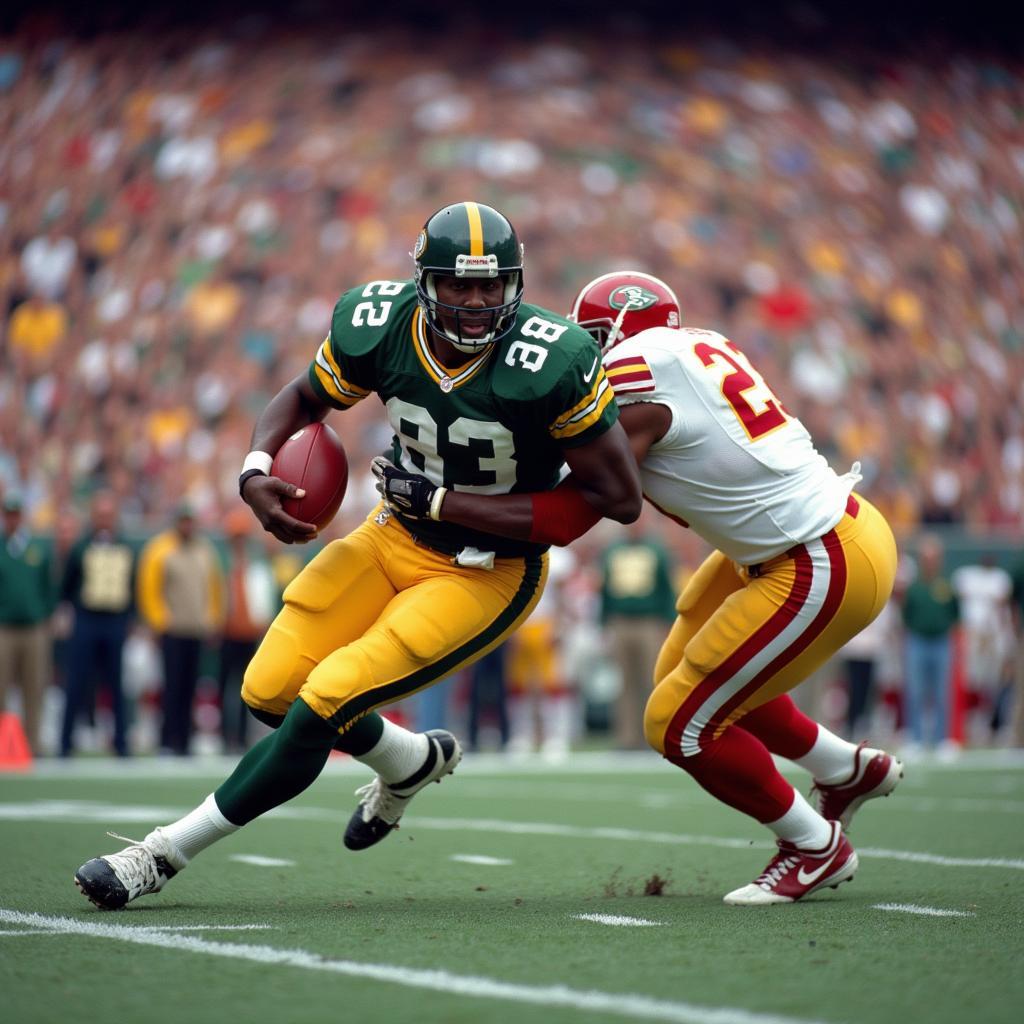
{"x": 587, "y": 376}
{"x": 808, "y": 878}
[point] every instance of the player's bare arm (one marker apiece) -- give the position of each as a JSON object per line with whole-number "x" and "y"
{"x": 645, "y": 423}
{"x": 603, "y": 471}
{"x": 295, "y": 406}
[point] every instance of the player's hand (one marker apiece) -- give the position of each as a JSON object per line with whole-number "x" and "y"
{"x": 263, "y": 494}
{"x": 408, "y": 493}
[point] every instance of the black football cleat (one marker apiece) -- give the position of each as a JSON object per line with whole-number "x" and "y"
{"x": 115, "y": 879}
{"x": 382, "y": 804}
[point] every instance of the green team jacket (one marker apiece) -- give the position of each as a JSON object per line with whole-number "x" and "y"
{"x": 498, "y": 424}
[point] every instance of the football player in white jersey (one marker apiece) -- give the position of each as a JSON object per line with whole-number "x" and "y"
{"x": 801, "y": 565}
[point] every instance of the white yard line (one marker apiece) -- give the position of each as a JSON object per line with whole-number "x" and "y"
{"x": 62, "y": 811}
{"x": 681, "y": 839}
{"x": 476, "y": 858}
{"x": 580, "y": 763}
{"x": 210, "y": 928}
{"x": 635, "y": 1007}
{"x": 913, "y": 908}
{"x": 613, "y": 919}
{"x": 262, "y": 862}
{"x": 942, "y": 862}
{"x": 157, "y": 928}
{"x": 86, "y": 810}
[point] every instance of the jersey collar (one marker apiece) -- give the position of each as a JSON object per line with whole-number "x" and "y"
{"x": 435, "y": 370}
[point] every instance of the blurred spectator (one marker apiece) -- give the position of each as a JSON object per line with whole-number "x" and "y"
{"x": 428, "y": 709}
{"x": 1017, "y": 719}
{"x": 171, "y": 230}
{"x": 27, "y": 593}
{"x": 251, "y": 603}
{"x": 983, "y": 592}
{"x": 488, "y": 697}
{"x": 36, "y": 328}
{"x": 930, "y": 613}
{"x": 860, "y": 660}
{"x": 541, "y": 703}
{"x": 99, "y": 584}
{"x": 856, "y": 216}
{"x": 48, "y": 261}
{"x": 638, "y": 606}
{"x": 180, "y": 597}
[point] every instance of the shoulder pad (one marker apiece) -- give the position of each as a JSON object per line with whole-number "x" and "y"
{"x": 534, "y": 356}
{"x": 367, "y": 313}
{"x": 700, "y": 334}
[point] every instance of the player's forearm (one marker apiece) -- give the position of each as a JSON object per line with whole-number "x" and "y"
{"x": 546, "y": 517}
{"x": 292, "y": 408}
{"x": 507, "y": 515}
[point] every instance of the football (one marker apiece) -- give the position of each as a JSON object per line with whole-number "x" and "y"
{"x": 313, "y": 458}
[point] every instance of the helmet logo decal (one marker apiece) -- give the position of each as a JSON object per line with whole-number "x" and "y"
{"x": 421, "y": 245}
{"x": 633, "y": 296}
{"x": 476, "y": 266}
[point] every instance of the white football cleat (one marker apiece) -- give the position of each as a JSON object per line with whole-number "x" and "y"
{"x": 146, "y": 866}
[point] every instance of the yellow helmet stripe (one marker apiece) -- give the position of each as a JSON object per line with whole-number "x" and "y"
{"x": 476, "y": 230}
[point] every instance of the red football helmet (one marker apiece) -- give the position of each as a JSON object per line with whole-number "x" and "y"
{"x": 616, "y": 306}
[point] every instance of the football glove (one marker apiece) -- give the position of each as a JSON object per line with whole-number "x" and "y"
{"x": 410, "y": 494}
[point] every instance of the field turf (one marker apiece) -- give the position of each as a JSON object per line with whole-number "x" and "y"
{"x": 475, "y": 911}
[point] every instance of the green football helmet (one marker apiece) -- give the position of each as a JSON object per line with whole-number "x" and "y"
{"x": 469, "y": 240}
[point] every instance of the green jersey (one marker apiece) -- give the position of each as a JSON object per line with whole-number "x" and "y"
{"x": 497, "y": 424}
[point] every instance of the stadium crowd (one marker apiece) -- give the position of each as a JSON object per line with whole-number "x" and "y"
{"x": 180, "y": 210}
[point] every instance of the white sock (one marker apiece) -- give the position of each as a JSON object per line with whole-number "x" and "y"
{"x": 397, "y": 754}
{"x": 200, "y": 828}
{"x": 557, "y": 715}
{"x": 830, "y": 759}
{"x": 802, "y": 825}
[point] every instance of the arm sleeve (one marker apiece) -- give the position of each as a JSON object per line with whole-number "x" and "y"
{"x": 336, "y": 374}
{"x": 580, "y": 406}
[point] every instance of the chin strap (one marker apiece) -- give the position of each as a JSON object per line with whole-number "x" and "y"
{"x": 613, "y": 334}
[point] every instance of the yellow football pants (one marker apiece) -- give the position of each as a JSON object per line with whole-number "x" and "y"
{"x": 741, "y": 639}
{"x": 375, "y": 617}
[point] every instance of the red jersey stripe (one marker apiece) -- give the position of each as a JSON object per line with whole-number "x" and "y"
{"x": 626, "y": 376}
{"x": 628, "y": 361}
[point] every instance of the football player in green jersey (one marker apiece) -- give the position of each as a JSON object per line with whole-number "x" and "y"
{"x": 489, "y": 399}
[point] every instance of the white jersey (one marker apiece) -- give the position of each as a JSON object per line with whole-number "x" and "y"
{"x": 734, "y": 465}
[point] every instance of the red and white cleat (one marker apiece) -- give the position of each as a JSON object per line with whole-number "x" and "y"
{"x": 875, "y": 773}
{"x": 794, "y": 873}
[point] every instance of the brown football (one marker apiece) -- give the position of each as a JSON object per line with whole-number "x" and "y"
{"x": 313, "y": 458}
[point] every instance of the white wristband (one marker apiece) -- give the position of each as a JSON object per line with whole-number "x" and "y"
{"x": 435, "y": 503}
{"x": 258, "y": 460}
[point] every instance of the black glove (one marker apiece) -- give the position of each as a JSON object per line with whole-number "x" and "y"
{"x": 411, "y": 494}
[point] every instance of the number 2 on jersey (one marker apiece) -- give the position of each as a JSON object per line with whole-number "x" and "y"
{"x": 745, "y": 390}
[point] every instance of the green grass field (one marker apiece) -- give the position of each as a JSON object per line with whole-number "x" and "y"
{"x": 471, "y": 912}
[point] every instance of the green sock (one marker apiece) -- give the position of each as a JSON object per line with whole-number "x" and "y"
{"x": 357, "y": 740}
{"x": 362, "y": 736}
{"x": 279, "y": 767}
{"x": 267, "y": 718}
